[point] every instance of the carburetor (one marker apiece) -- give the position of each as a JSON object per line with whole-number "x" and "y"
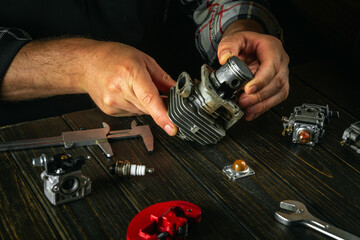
{"x": 306, "y": 123}
{"x": 63, "y": 180}
{"x": 203, "y": 110}
{"x": 351, "y": 137}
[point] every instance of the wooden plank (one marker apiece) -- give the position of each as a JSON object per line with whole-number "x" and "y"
{"x": 252, "y": 200}
{"x": 326, "y": 183}
{"x": 22, "y": 217}
{"x": 171, "y": 181}
{"x": 333, "y": 131}
{"x": 103, "y": 214}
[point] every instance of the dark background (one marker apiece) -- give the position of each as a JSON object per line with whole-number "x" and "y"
{"x": 324, "y": 34}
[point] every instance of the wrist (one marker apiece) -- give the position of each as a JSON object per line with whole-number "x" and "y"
{"x": 243, "y": 25}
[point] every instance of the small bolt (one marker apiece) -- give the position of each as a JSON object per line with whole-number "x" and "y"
{"x": 299, "y": 211}
{"x": 55, "y": 188}
{"x": 59, "y": 171}
{"x": 39, "y": 161}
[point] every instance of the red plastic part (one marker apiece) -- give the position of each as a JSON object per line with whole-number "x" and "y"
{"x": 170, "y": 219}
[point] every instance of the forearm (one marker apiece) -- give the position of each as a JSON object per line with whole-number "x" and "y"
{"x": 47, "y": 68}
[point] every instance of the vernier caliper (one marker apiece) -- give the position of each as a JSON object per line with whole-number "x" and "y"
{"x": 80, "y": 138}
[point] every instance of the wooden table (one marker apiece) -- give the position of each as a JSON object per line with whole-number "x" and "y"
{"x": 325, "y": 177}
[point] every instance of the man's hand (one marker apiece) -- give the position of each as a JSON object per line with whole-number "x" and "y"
{"x": 120, "y": 77}
{"x": 266, "y": 58}
{"x": 117, "y": 77}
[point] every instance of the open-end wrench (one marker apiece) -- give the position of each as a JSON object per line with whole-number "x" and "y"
{"x": 98, "y": 137}
{"x": 300, "y": 216}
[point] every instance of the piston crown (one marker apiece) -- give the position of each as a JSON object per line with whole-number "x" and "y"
{"x": 234, "y": 73}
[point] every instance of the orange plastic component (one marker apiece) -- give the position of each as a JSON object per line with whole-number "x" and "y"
{"x": 304, "y": 137}
{"x": 239, "y": 165}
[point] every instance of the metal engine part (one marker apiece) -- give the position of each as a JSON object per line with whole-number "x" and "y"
{"x": 125, "y": 168}
{"x": 295, "y": 213}
{"x": 306, "y": 123}
{"x": 99, "y": 136}
{"x": 238, "y": 169}
{"x": 63, "y": 180}
{"x": 351, "y": 137}
{"x": 203, "y": 110}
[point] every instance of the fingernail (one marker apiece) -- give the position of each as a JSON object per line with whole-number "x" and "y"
{"x": 252, "y": 89}
{"x": 244, "y": 102}
{"x": 169, "y": 130}
{"x": 224, "y": 56}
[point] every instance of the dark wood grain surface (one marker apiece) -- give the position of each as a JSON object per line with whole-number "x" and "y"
{"x": 325, "y": 177}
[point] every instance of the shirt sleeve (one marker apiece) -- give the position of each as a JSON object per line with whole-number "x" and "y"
{"x": 11, "y": 41}
{"x": 213, "y": 16}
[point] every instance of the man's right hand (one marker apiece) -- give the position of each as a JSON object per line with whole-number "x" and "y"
{"x": 120, "y": 77}
{"x": 116, "y": 76}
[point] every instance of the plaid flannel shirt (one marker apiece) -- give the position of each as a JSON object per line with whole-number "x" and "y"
{"x": 213, "y": 16}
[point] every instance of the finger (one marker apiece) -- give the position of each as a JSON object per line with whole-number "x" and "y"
{"x": 229, "y": 46}
{"x": 148, "y": 96}
{"x": 256, "y": 110}
{"x": 270, "y": 56}
{"x": 136, "y": 103}
{"x": 275, "y": 85}
{"x": 161, "y": 79}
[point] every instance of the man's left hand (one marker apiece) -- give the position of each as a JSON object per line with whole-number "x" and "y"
{"x": 267, "y": 59}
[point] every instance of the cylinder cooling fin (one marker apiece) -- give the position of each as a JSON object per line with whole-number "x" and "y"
{"x": 204, "y": 109}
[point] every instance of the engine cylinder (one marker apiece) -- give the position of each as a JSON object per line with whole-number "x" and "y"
{"x": 203, "y": 110}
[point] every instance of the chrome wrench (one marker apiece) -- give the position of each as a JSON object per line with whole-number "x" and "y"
{"x": 98, "y": 137}
{"x": 299, "y": 215}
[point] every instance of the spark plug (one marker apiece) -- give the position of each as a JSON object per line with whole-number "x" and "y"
{"x": 125, "y": 168}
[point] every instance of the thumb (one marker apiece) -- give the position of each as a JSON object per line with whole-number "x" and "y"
{"x": 229, "y": 46}
{"x": 224, "y": 56}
